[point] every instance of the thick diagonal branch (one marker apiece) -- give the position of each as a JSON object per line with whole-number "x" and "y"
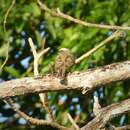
{"x": 88, "y": 80}
{"x": 106, "y": 114}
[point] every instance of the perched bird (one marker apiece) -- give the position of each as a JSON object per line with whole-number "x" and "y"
{"x": 64, "y": 60}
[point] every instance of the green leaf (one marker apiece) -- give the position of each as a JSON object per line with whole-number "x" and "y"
{"x": 13, "y": 72}
{"x": 33, "y": 9}
{"x": 3, "y": 50}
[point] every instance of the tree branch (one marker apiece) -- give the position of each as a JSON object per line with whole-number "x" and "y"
{"x": 35, "y": 121}
{"x": 5, "y": 31}
{"x": 106, "y": 114}
{"x": 101, "y": 44}
{"x": 87, "y": 81}
{"x": 58, "y": 13}
{"x": 43, "y": 96}
{"x": 73, "y": 122}
{"x": 126, "y": 127}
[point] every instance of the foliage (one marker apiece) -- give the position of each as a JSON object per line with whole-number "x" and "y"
{"x": 26, "y": 19}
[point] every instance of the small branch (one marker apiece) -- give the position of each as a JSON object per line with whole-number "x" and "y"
{"x": 115, "y": 34}
{"x": 96, "y": 106}
{"x": 6, "y": 59}
{"x": 32, "y": 47}
{"x": 35, "y": 121}
{"x": 43, "y": 52}
{"x": 73, "y": 122}
{"x": 36, "y": 56}
{"x": 106, "y": 114}
{"x": 126, "y": 127}
{"x": 4, "y": 28}
{"x": 7, "y": 14}
{"x": 58, "y": 13}
{"x": 43, "y": 97}
{"x": 36, "y": 73}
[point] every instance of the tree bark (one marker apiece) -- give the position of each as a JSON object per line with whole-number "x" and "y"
{"x": 79, "y": 81}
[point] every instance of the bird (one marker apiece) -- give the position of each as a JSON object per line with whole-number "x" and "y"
{"x": 63, "y": 61}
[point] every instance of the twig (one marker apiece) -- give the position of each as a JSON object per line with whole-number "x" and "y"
{"x": 6, "y": 59}
{"x": 4, "y": 28}
{"x": 34, "y": 120}
{"x": 44, "y": 100}
{"x": 73, "y": 122}
{"x": 58, "y": 13}
{"x": 35, "y": 65}
{"x": 96, "y": 106}
{"x": 36, "y": 56}
{"x": 43, "y": 97}
{"x": 7, "y": 13}
{"x": 115, "y": 34}
{"x": 126, "y": 127}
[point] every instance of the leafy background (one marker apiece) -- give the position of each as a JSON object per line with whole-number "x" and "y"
{"x": 26, "y": 20}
